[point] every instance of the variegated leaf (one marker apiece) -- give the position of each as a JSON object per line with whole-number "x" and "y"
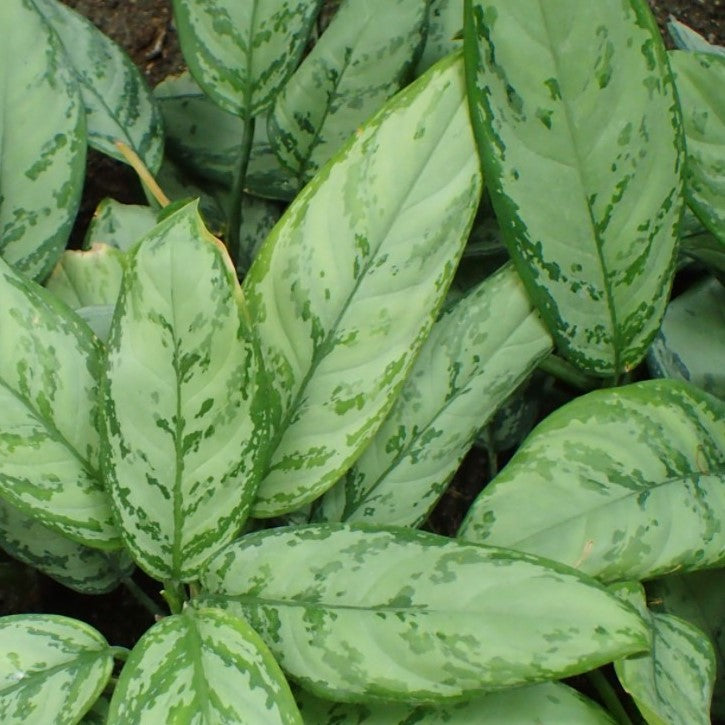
{"x": 476, "y": 355}
{"x": 697, "y": 243}
{"x": 78, "y": 567}
{"x": 445, "y": 32}
{"x": 42, "y": 141}
{"x": 581, "y": 142}
{"x": 183, "y": 404}
{"x": 686, "y": 38}
{"x": 202, "y": 666}
{"x": 397, "y": 614}
{"x": 49, "y": 442}
{"x": 549, "y": 702}
{"x": 258, "y": 219}
{"x": 671, "y": 684}
{"x": 700, "y": 78}
{"x": 348, "y": 284}
{"x": 119, "y": 106}
{"x": 626, "y": 483}
{"x": 363, "y": 58}
{"x": 52, "y": 669}
{"x": 98, "y": 714}
{"x": 119, "y": 225}
{"x": 242, "y": 53}
{"x": 691, "y": 342}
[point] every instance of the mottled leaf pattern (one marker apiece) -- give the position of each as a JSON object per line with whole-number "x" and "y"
{"x": 258, "y": 219}
{"x": 42, "y": 141}
{"x": 671, "y": 684}
{"x": 183, "y": 405}
{"x": 119, "y": 106}
{"x": 119, "y": 225}
{"x": 582, "y": 148}
{"x": 52, "y": 669}
{"x": 700, "y": 79}
{"x": 475, "y": 357}
{"x": 549, "y": 702}
{"x": 346, "y": 287}
{"x": 242, "y": 53}
{"x": 78, "y": 567}
{"x": 691, "y": 342}
{"x": 49, "y": 442}
{"x": 626, "y": 483}
{"x": 362, "y": 59}
{"x": 203, "y": 666}
{"x": 445, "y": 32}
{"x": 399, "y": 614}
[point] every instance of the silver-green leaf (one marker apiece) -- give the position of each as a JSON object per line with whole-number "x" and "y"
{"x": 364, "y": 614}
{"x": 119, "y": 225}
{"x": 581, "y": 143}
{"x": 347, "y": 286}
{"x": 445, "y": 32}
{"x": 627, "y": 483}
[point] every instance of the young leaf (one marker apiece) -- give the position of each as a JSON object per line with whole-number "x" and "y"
{"x": 465, "y": 370}
{"x": 119, "y": 225}
{"x": 691, "y": 342}
{"x": 549, "y": 702}
{"x": 700, "y": 78}
{"x": 626, "y": 483}
{"x": 362, "y": 59}
{"x": 52, "y": 667}
{"x": 686, "y": 38}
{"x": 242, "y": 53}
{"x": 347, "y": 286}
{"x": 362, "y": 613}
{"x": 581, "y": 143}
{"x": 42, "y": 141}
{"x": 78, "y": 567}
{"x": 119, "y": 106}
{"x": 183, "y": 405}
{"x": 673, "y": 682}
{"x": 445, "y": 28}
{"x": 202, "y": 666}
{"x": 49, "y": 442}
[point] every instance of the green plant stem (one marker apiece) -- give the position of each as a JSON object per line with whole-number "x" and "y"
{"x": 174, "y": 594}
{"x": 142, "y": 598}
{"x": 609, "y": 697}
{"x": 235, "y": 209}
{"x": 568, "y": 374}
{"x": 120, "y": 653}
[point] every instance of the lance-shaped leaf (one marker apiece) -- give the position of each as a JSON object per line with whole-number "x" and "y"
{"x": 42, "y": 141}
{"x": 581, "y": 144}
{"x": 627, "y": 483}
{"x": 119, "y": 106}
{"x": 119, "y": 225}
{"x": 549, "y": 702}
{"x": 78, "y": 567}
{"x": 691, "y": 342}
{"x": 671, "y": 684}
{"x": 49, "y": 442}
{"x": 353, "y": 613}
{"x": 347, "y": 286}
{"x": 362, "y": 59}
{"x": 445, "y": 32}
{"x": 52, "y": 668}
{"x": 242, "y": 53}
{"x": 183, "y": 404}
{"x": 700, "y": 78}
{"x": 202, "y": 666}
{"x": 686, "y": 38}
{"x": 476, "y": 355}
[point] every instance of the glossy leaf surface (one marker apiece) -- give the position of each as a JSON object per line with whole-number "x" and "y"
{"x": 476, "y": 355}
{"x": 119, "y": 225}
{"x": 203, "y": 666}
{"x": 242, "y": 53}
{"x": 581, "y": 144}
{"x": 78, "y": 567}
{"x": 347, "y": 286}
{"x": 445, "y": 32}
{"x": 42, "y": 162}
{"x": 49, "y": 442}
{"x": 691, "y": 342}
{"x": 118, "y": 104}
{"x": 362, "y": 59}
{"x": 183, "y": 411}
{"x": 549, "y": 702}
{"x": 627, "y": 483}
{"x": 52, "y": 667}
{"x": 700, "y": 79}
{"x": 404, "y": 615}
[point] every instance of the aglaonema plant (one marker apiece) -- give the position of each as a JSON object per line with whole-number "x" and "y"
{"x": 267, "y": 448}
